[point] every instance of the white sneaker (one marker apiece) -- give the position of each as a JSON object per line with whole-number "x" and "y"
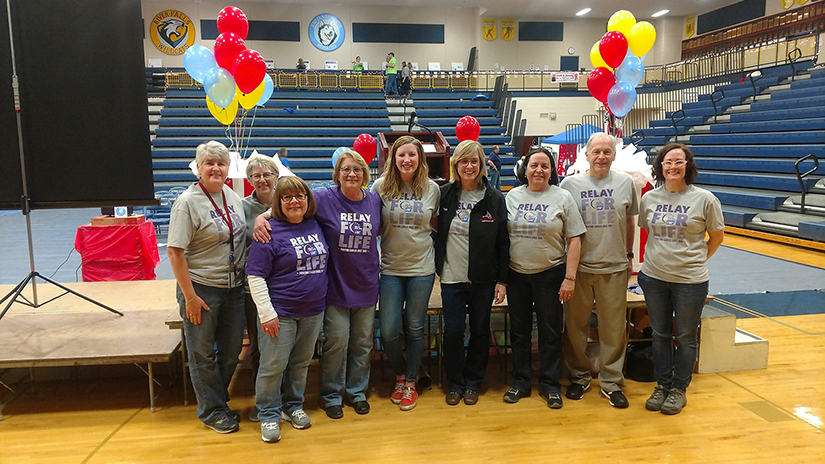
{"x": 270, "y": 432}
{"x": 298, "y": 418}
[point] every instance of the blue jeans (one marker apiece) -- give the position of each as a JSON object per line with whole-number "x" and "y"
{"x": 392, "y": 84}
{"x": 494, "y": 178}
{"x": 459, "y": 300}
{"x": 284, "y": 360}
{"x": 345, "y": 365}
{"x": 669, "y": 303}
{"x": 540, "y": 293}
{"x": 394, "y": 292}
{"x": 213, "y": 345}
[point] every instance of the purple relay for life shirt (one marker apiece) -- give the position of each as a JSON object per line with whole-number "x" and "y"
{"x": 294, "y": 264}
{"x": 351, "y": 229}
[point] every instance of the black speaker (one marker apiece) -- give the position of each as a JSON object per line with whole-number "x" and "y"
{"x": 83, "y": 105}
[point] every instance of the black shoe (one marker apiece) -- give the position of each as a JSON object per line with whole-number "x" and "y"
{"x": 514, "y": 394}
{"x": 470, "y": 397}
{"x": 224, "y": 423}
{"x": 617, "y": 399}
{"x": 453, "y": 398}
{"x": 554, "y": 400}
{"x": 361, "y": 407}
{"x": 576, "y": 390}
{"x": 335, "y": 411}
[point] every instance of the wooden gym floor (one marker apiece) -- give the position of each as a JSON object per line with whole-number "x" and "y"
{"x": 99, "y": 415}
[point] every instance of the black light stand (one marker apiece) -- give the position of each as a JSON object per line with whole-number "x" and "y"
{"x": 16, "y": 296}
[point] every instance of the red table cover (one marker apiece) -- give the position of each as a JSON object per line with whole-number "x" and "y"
{"x": 117, "y": 252}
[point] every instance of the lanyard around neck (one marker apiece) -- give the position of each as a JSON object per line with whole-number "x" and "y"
{"x": 226, "y": 219}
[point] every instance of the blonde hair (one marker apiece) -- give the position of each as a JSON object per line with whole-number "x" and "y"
{"x": 211, "y": 150}
{"x": 393, "y": 186}
{"x": 359, "y": 160}
{"x": 292, "y": 185}
{"x": 464, "y": 150}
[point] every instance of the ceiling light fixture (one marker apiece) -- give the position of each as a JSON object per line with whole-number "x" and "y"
{"x": 660, "y": 13}
{"x": 583, "y": 12}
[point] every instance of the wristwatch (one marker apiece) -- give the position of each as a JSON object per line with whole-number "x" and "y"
{"x": 630, "y": 255}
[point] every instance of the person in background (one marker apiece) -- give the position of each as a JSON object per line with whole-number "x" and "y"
{"x": 288, "y": 282}
{"x": 301, "y": 65}
{"x": 282, "y": 155}
{"x": 406, "y": 78}
{"x": 472, "y": 256}
{"x": 608, "y": 205}
{"x": 545, "y": 239}
{"x": 357, "y": 65}
{"x": 674, "y": 277}
{"x": 392, "y": 75}
{"x": 494, "y": 168}
{"x": 206, "y": 247}
{"x": 410, "y": 202}
{"x": 262, "y": 174}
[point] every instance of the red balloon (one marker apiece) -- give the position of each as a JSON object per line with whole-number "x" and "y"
{"x": 227, "y": 47}
{"x": 365, "y": 146}
{"x": 467, "y": 128}
{"x": 613, "y": 48}
{"x": 249, "y": 70}
{"x": 599, "y": 83}
{"x": 232, "y": 19}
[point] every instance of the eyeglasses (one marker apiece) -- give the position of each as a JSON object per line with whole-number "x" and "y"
{"x": 289, "y": 198}
{"x": 266, "y": 175}
{"x": 670, "y": 164}
{"x": 356, "y": 170}
{"x": 468, "y": 162}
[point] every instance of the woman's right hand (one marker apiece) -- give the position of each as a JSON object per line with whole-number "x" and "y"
{"x": 193, "y": 309}
{"x": 271, "y": 327}
{"x": 262, "y": 229}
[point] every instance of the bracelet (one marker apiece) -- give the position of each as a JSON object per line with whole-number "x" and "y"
{"x": 192, "y": 299}
{"x": 570, "y": 279}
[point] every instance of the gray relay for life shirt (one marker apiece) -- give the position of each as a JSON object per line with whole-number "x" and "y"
{"x": 605, "y": 205}
{"x": 197, "y": 227}
{"x": 457, "y": 256}
{"x": 406, "y": 244}
{"x": 540, "y": 224}
{"x": 676, "y": 224}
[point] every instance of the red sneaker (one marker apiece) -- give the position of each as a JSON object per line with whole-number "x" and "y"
{"x": 398, "y": 393}
{"x": 409, "y": 398}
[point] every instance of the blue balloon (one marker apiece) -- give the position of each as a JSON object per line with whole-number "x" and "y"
{"x": 197, "y": 61}
{"x": 269, "y": 87}
{"x": 621, "y": 98}
{"x": 632, "y": 70}
{"x": 220, "y": 86}
{"x": 337, "y": 153}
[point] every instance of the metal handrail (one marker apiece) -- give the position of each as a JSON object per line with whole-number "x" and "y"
{"x": 753, "y": 82}
{"x": 799, "y": 176}
{"x": 674, "y": 121}
{"x": 714, "y": 101}
{"x": 797, "y": 54}
{"x": 635, "y": 135}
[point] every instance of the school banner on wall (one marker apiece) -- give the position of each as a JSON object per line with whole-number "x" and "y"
{"x": 690, "y": 25}
{"x": 172, "y": 32}
{"x": 508, "y": 29}
{"x": 488, "y": 29}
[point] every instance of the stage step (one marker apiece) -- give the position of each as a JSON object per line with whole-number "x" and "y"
{"x": 725, "y": 348}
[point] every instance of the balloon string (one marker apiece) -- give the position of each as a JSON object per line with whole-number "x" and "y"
{"x": 251, "y": 124}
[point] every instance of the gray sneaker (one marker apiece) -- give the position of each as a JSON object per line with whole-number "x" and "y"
{"x": 298, "y": 418}
{"x": 253, "y": 414}
{"x": 676, "y": 400}
{"x": 657, "y": 399}
{"x": 270, "y": 432}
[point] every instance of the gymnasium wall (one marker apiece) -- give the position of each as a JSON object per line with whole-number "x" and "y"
{"x": 568, "y": 110}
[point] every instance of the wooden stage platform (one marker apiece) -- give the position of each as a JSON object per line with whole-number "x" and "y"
{"x": 70, "y": 331}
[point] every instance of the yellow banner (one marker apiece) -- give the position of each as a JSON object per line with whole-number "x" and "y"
{"x": 488, "y": 29}
{"x": 690, "y": 25}
{"x": 508, "y": 29}
{"x": 786, "y": 4}
{"x": 801, "y": 2}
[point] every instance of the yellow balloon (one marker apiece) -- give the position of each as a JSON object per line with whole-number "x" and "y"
{"x": 641, "y": 38}
{"x": 596, "y": 58}
{"x": 249, "y": 100}
{"x": 223, "y": 115}
{"x": 621, "y": 21}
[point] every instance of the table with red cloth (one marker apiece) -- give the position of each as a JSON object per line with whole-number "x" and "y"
{"x": 117, "y": 252}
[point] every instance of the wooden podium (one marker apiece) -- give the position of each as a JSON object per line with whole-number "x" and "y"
{"x": 438, "y": 159}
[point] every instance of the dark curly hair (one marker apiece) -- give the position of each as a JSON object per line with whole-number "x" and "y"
{"x": 690, "y": 169}
{"x": 521, "y": 175}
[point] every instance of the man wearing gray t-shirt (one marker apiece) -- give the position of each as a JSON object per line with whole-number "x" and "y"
{"x": 608, "y": 204}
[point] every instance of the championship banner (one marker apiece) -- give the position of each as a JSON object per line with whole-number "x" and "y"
{"x": 488, "y": 29}
{"x": 690, "y": 25}
{"x": 508, "y": 29}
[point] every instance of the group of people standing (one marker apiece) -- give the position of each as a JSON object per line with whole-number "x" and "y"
{"x": 314, "y": 263}
{"x": 391, "y": 71}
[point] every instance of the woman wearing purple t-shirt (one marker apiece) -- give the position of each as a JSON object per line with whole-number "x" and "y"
{"x": 350, "y": 217}
{"x": 288, "y": 282}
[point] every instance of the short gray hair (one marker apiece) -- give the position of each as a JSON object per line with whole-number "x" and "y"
{"x": 596, "y": 135}
{"x": 211, "y": 150}
{"x": 261, "y": 161}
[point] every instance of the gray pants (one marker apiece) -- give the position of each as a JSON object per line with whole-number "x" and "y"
{"x": 609, "y": 291}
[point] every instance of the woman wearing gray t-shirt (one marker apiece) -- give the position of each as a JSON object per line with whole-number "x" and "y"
{"x": 545, "y": 229}
{"x": 409, "y": 202}
{"x": 674, "y": 275}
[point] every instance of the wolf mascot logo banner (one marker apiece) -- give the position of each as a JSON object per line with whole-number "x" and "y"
{"x": 172, "y": 32}
{"x": 326, "y": 32}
